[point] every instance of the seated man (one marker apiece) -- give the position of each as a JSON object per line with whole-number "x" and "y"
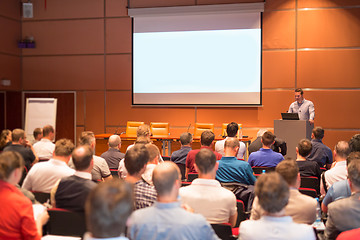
{"x": 71, "y": 192}
{"x": 136, "y": 159}
{"x": 180, "y": 155}
{"x": 37, "y": 134}
{"x": 340, "y": 189}
{"x": 306, "y": 168}
{"x": 113, "y": 156}
{"x": 338, "y": 170}
{"x": 320, "y": 152}
{"x": 231, "y": 169}
{"x": 273, "y": 195}
{"x": 107, "y": 209}
{"x": 265, "y": 157}
{"x": 344, "y": 214}
{"x": 301, "y": 208}
{"x": 21, "y": 145}
{"x": 206, "y": 141}
{"x": 45, "y": 147}
{"x": 166, "y": 219}
{"x": 354, "y": 143}
{"x": 231, "y": 130}
{"x": 154, "y": 155}
{"x": 206, "y": 196}
{"x": 278, "y": 146}
{"x": 43, "y": 176}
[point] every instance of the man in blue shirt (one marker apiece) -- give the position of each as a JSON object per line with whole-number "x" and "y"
{"x": 166, "y": 219}
{"x": 180, "y": 155}
{"x": 265, "y": 157}
{"x": 231, "y": 169}
{"x": 303, "y": 107}
{"x": 320, "y": 152}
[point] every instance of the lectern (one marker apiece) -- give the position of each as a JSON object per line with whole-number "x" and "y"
{"x": 292, "y": 131}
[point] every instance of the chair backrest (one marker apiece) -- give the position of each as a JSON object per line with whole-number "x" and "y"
{"x": 114, "y": 172}
{"x": 241, "y": 212}
{"x": 223, "y": 231}
{"x": 41, "y": 197}
{"x": 192, "y": 176}
{"x": 308, "y": 191}
{"x": 310, "y": 182}
{"x": 131, "y": 128}
{"x": 182, "y": 169}
{"x": 223, "y": 130}
{"x": 258, "y": 170}
{"x": 66, "y": 223}
{"x": 201, "y": 127}
{"x": 184, "y": 184}
{"x": 159, "y": 129}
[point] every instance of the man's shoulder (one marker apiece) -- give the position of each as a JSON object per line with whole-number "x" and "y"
{"x": 302, "y": 198}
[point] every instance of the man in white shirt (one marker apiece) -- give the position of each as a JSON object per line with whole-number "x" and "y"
{"x": 205, "y": 194}
{"x": 45, "y": 147}
{"x": 231, "y": 130}
{"x": 43, "y": 176}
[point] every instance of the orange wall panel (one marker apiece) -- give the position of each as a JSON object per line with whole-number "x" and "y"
{"x": 79, "y": 130}
{"x": 10, "y": 29}
{"x": 159, "y": 3}
{"x": 226, "y": 1}
{"x": 278, "y": 69}
{"x": 118, "y": 72}
{"x": 80, "y": 108}
{"x": 10, "y": 9}
{"x": 329, "y": 28}
{"x": 61, "y": 9}
{"x": 65, "y": 37}
{"x": 329, "y": 69}
{"x": 336, "y": 109}
{"x": 279, "y": 29}
{"x": 118, "y": 35}
{"x": 94, "y": 115}
{"x": 326, "y": 3}
{"x": 119, "y": 111}
{"x": 279, "y": 4}
{"x": 10, "y": 68}
{"x": 63, "y": 73}
{"x": 334, "y": 136}
{"x": 116, "y": 8}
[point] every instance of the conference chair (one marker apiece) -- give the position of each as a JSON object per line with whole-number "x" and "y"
{"x": 131, "y": 128}
{"x": 192, "y": 176}
{"x": 259, "y": 170}
{"x": 65, "y": 223}
{"x": 114, "y": 172}
{"x": 182, "y": 169}
{"x": 224, "y": 133}
{"x": 242, "y": 216}
{"x": 223, "y": 231}
{"x": 201, "y": 127}
{"x": 41, "y": 197}
{"x": 159, "y": 129}
{"x": 308, "y": 191}
{"x": 310, "y": 182}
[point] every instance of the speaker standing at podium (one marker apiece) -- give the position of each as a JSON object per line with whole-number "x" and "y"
{"x": 303, "y": 107}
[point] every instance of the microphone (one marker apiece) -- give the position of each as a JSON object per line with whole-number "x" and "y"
{"x": 188, "y": 128}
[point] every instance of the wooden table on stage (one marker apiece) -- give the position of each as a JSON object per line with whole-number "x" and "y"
{"x": 165, "y": 141}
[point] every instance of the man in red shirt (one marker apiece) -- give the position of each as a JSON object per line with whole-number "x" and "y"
{"x": 206, "y": 141}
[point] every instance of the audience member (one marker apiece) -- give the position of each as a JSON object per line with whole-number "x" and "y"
{"x": 143, "y": 134}
{"x": 43, "y": 176}
{"x": 205, "y": 194}
{"x": 37, "y": 134}
{"x": 45, "y": 147}
{"x": 306, "y": 168}
{"x": 17, "y": 217}
{"x": 5, "y": 139}
{"x": 154, "y": 155}
{"x": 265, "y": 157}
{"x": 166, "y": 219}
{"x": 100, "y": 169}
{"x": 206, "y": 141}
{"x": 320, "y": 152}
{"x": 340, "y": 189}
{"x": 231, "y": 169}
{"x": 273, "y": 195}
{"x": 231, "y": 130}
{"x": 301, "y": 208}
{"x": 344, "y": 214}
{"x": 354, "y": 143}
{"x": 71, "y": 192}
{"x": 338, "y": 170}
{"x": 136, "y": 159}
{"x": 107, "y": 209}
{"x": 21, "y": 145}
{"x": 180, "y": 155}
{"x": 278, "y": 146}
{"x": 113, "y": 156}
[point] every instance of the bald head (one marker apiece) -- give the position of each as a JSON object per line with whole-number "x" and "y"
{"x": 164, "y": 177}
{"x": 114, "y": 141}
{"x": 82, "y": 157}
{"x": 232, "y": 143}
{"x": 342, "y": 149}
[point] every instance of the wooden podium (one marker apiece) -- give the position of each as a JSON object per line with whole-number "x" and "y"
{"x": 292, "y": 131}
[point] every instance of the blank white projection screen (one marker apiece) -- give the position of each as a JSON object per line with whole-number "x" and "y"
{"x": 197, "y": 60}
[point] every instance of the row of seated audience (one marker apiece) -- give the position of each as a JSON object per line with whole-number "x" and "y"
{"x": 156, "y": 188}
